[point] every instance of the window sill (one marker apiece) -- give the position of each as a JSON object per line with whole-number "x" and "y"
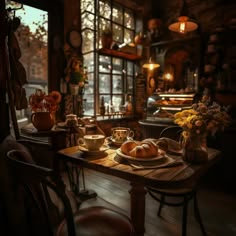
{"x": 113, "y": 116}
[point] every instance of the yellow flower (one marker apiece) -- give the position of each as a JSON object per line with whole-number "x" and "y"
{"x": 190, "y": 126}
{"x": 202, "y": 118}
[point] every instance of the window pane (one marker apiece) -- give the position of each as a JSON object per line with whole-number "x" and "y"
{"x": 129, "y": 19}
{"x": 89, "y": 62}
{"x": 103, "y": 25}
{"x": 117, "y": 66}
{"x": 104, "y": 64}
{"x": 129, "y": 84}
{"x": 87, "y": 5}
{"x": 88, "y": 104}
{"x": 116, "y": 101}
{"x": 87, "y": 20}
{"x": 117, "y": 14}
{"x": 117, "y": 84}
{"x": 104, "y": 83}
{"x": 130, "y": 68}
{"x": 89, "y": 89}
{"x": 88, "y": 41}
{"x": 104, "y": 9}
{"x": 117, "y": 33}
{"x": 128, "y": 36}
{"x": 107, "y": 100}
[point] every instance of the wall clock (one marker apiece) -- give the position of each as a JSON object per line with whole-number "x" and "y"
{"x": 74, "y": 38}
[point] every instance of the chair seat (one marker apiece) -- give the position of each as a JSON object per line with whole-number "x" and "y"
{"x": 172, "y": 192}
{"x": 99, "y": 221}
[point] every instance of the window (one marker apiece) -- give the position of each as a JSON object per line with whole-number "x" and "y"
{"x": 109, "y": 76}
{"x": 32, "y": 37}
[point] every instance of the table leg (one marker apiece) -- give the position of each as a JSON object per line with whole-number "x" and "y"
{"x": 137, "y": 210}
{"x": 73, "y": 173}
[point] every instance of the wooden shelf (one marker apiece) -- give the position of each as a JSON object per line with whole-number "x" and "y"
{"x": 172, "y": 41}
{"x": 115, "y": 53}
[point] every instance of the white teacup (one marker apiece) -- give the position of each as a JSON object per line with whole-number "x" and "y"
{"x": 93, "y": 142}
{"x": 121, "y": 134}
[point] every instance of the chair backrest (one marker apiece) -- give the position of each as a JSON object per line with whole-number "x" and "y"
{"x": 172, "y": 132}
{"x": 34, "y": 181}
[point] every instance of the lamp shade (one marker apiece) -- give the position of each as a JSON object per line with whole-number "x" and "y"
{"x": 184, "y": 24}
{"x": 150, "y": 65}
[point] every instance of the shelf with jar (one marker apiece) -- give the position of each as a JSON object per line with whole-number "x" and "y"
{"x": 217, "y": 71}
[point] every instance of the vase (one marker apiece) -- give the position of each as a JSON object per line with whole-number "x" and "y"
{"x": 195, "y": 148}
{"x": 42, "y": 121}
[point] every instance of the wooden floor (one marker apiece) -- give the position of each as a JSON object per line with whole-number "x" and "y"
{"x": 218, "y": 208}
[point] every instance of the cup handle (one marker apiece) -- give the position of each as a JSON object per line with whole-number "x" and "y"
{"x": 131, "y": 134}
{"x": 81, "y": 141}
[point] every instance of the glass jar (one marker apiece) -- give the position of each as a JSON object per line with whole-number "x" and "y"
{"x": 71, "y": 120}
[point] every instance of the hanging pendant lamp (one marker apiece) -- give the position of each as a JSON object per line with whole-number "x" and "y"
{"x": 150, "y": 65}
{"x": 184, "y": 24}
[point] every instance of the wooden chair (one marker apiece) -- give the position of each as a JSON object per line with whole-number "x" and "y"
{"x": 35, "y": 182}
{"x": 179, "y": 196}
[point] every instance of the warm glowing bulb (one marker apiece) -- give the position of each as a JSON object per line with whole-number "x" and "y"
{"x": 183, "y": 24}
{"x": 168, "y": 76}
{"x": 151, "y": 66}
{"x": 182, "y": 27}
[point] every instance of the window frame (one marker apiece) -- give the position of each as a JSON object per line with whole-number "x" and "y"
{"x": 95, "y": 73}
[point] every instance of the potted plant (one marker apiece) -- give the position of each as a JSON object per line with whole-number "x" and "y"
{"x": 204, "y": 118}
{"x": 76, "y": 76}
{"x": 106, "y": 39}
{"x": 44, "y": 107}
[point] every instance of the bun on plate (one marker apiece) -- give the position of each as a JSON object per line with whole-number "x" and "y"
{"x": 142, "y": 149}
{"x": 127, "y": 146}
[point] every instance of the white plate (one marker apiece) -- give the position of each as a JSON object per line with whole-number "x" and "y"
{"x": 93, "y": 153}
{"x": 161, "y": 157}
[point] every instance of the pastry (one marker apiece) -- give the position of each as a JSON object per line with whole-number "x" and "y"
{"x": 140, "y": 149}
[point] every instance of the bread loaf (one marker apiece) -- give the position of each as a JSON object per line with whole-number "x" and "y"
{"x": 140, "y": 149}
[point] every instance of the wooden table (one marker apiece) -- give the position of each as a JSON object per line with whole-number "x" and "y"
{"x": 184, "y": 175}
{"x": 56, "y": 137}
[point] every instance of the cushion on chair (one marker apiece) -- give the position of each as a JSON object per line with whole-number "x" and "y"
{"x": 99, "y": 221}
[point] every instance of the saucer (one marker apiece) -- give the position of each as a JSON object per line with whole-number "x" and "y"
{"x": 111, "y": 141}
{"x": 102, "y": 149}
